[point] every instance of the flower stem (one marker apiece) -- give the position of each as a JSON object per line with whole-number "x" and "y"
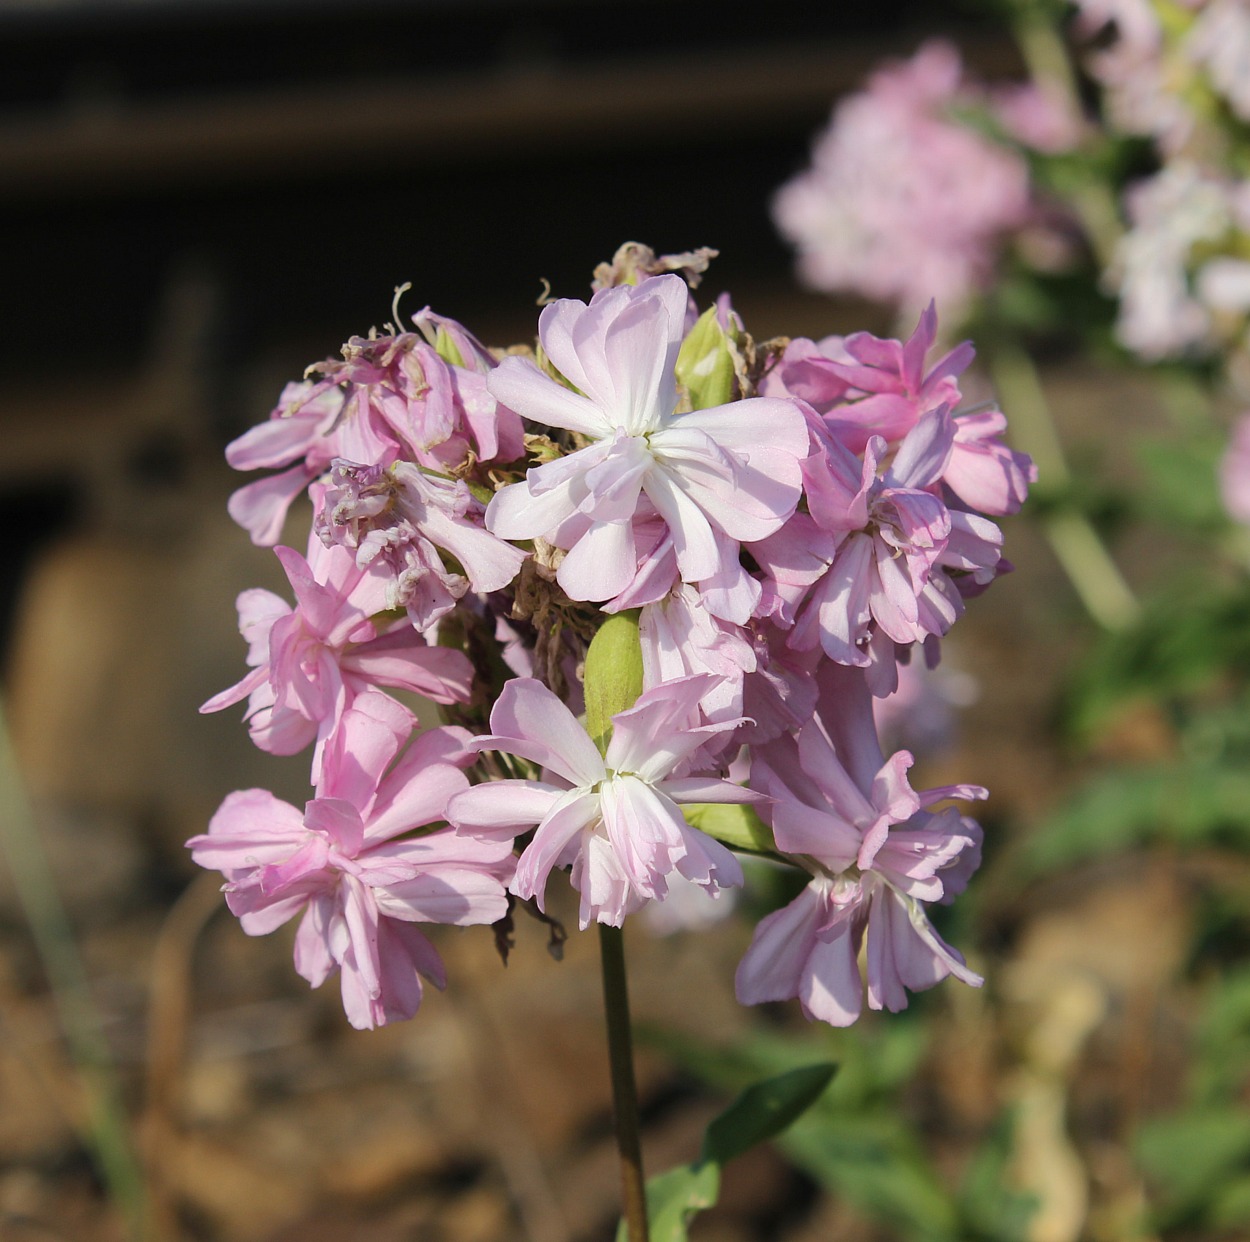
{"x": 1084, "y": 557}
{"x": 624, "y": 1089}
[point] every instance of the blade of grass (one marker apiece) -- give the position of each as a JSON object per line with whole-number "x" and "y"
{"x": 106, "y": 1128}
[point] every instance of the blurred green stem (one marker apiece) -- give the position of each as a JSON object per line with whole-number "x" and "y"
{"x": 1049, "y": 63}
{"x": 1096, "y": 578}
{"x": 107, "y": 1131}
{"x": 624, "y": 1089}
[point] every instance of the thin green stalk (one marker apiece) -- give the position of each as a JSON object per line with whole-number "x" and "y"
{"x": 624, "y": 1089}
{"x": 107, "y": 1129}
{"x": 1050, "y": 65}
{"x": 1096, "y": 578}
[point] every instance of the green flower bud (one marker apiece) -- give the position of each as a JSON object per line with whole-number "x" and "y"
{"x": 613, "y": 678}
{"x": 706, "y": 365}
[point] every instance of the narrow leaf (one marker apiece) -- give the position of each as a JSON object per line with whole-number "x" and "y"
{"x": 764, "y": 1110}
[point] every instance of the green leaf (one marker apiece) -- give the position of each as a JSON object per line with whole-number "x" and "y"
{"x": 1190, "y": 802}
{"x": 734, "y": 823}
{"x": 613, "y": 679}
{"x": 760, "y": 1113}
{"x": 1181, "y": 482}
{"x": 875, "y": 1164}
{"x": 675, "y": 1198}
{"x": 1191, "y": 1155}
{"x": 989, "y": 1205}
{"x": 764, "y": 1110}
{"x": 1231, "y": 1207}
{"x": 1191, "y": 636}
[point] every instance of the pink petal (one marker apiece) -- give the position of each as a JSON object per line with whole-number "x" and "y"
{"x": 238, "y": 692}
{"x": 368, "y": 738}
{"x": 601, "y": 563}
{"x": 521, "y": 386}
{"x": 413, "y": 797}
{"x": 404, "y": 660}
{"x": 313, "y": 960}
{"x": 528, "y": 720}
{"x": 707, "y": 789}
{"x": 570, "y": 815}
{"x": 455, "y": 896}
{"x": 261, "y": 507}
{"x": 832, "y": 990}
{"x": 747, "y": 427}
{"x": 772, "y": 967}
{"x": 277, "y": 442}
{"x": 250, "y": 829}
{"x": 800, "y": 829}
{"x": 507, "y": 807}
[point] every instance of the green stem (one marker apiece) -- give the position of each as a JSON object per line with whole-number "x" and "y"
{"x": 624, "y": 1089}
{"x": 108, "y": 1134}
{"x": 1049, "y": 63}
{"x": 1096, "y": 578}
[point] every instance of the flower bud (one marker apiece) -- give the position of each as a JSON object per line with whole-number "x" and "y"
{"x": 706, "y": 365}
{"x": 613, "y": 678}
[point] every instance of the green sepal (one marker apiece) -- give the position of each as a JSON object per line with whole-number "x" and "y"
{"x": 705, "y": 365}
{"x": 613, "y": 677}
{"x": 447, "y": 349}
{"x": 734, "y": 823}
{"x": 760, "y": 1113}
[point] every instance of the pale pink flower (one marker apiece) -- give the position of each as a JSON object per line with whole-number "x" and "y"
{"x": 308, "y": 663}
{"x": 614, "y": 819}
{"x": 389, "y": 396}
{"x": 876, "y": 854}
{"x": 406, "y": 519}
{"x": 1220, "y": 41}
{"x": 779, "y": 694}
{"x": 730, "y": 595}
{"x": 1174, "y": 215}
{"x": 465, "y": 349}
{"x": 887, "y": 385}
{"x": 344, "y": 863}
{"x": 717, "y": 477}
{"x": 902, "y": 202}
{"x": 863, "y": 385}
{"x": 1038, "y": 116}
{"x": 303, "y": 434}
{"x": 1131, "y": 64}
{"x": 873, "y": 552}
{"x": 680, "y": 638}
{"x": 442, "y": 414}
{"x": 1235, "y": 472}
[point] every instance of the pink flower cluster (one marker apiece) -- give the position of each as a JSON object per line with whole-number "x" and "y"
{"x": 782, "y": 526}
{"x": 904, "y": 201}
{"x": 1163, "y": 65}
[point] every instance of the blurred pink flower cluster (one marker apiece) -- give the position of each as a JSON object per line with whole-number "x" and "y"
{"x": 905, "y": 201}
{"x": 1178, "y": 75}
{"x": 781, "y": 525}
